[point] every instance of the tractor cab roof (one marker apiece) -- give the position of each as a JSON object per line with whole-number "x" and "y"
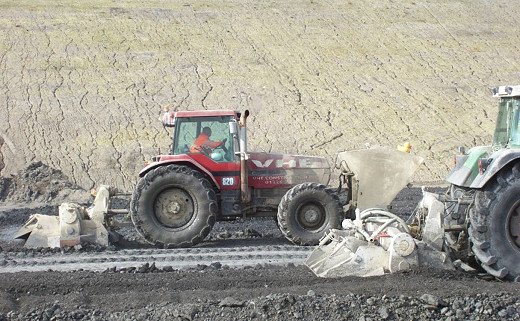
{"x": 169, "y": 117}
{"x": 506, "y": 91}
{"x": 205, "y": 113}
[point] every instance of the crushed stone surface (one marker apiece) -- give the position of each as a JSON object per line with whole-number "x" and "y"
{"x": 212, "y": 290}
{"x": 263, "y": 293}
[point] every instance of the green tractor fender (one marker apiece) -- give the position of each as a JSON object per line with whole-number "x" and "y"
{"x": 494, "y": 164}
{"x": 475, "y": 169}
{"x": 466, "y": 166}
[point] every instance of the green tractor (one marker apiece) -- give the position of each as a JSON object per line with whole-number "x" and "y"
{"x": 483, "y": 222}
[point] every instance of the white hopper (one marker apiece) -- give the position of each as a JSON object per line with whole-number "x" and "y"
{"x": 380, "y": 172}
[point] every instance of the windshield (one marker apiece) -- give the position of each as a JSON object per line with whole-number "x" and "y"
{"x": 507, "y": 131}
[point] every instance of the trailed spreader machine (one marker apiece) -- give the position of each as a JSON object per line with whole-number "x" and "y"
{"x": 375, "y": 241}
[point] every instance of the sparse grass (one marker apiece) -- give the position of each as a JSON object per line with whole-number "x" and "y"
{"x": 307, "y": 71}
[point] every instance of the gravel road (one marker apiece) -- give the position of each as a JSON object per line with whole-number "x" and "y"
{"x": 232, "y": 256}
{"x": 267, "y": 292}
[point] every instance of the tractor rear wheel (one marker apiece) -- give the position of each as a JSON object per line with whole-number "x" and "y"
{"x": 173, "y": 206}
{"x": 307, "y": 212}
{"x": 495, "y": 225}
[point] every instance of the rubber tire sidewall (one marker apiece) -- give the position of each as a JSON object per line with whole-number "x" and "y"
{"x": 299, "y": 195}
{"x": 174, "y": 176}
{"x": 488, "y": 224}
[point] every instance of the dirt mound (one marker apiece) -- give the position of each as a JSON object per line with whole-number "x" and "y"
{"x": 39, "y": 183}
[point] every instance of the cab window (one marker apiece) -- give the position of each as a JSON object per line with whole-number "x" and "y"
{"x": 515, "y": 123}
{"x": 191, "y": 136}
{"x": 501, "y": 136}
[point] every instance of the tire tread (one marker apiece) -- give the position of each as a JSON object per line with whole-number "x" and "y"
{"x": 481, "y": 218}
{"x": 284, "y": 216}
{"x": 137, "y": 213}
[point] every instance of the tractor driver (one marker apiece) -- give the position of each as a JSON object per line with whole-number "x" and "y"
{"x": 203, "y": 144}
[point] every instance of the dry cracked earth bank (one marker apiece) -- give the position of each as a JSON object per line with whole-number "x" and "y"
{"x": 81, "y": 88}
{"x": 82, "y": 83}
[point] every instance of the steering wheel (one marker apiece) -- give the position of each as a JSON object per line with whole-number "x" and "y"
{"x": 226, "y": 151}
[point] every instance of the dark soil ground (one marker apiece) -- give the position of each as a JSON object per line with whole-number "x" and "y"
{"x": 264, "y": 292}
{"x": 280, "y": 293}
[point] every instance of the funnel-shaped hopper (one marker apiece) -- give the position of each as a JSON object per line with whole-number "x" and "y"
{"x": 380, "y": 172}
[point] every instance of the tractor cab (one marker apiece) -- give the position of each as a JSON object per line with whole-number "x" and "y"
{"x": 191, "y": 137}
{"x": 203, "y": 132}
{"x": 507, "y": 130}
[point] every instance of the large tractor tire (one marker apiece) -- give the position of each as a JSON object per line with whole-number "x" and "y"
{"x": 495, "y": 225}
{"x": 173, "y": 206}
{"x": 307, "y": 212}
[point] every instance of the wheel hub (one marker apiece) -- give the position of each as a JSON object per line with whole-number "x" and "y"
{"x": 174, "y": 207}
{"x": 310, "y": 216}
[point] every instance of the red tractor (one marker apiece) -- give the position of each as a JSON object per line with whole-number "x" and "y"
{"x": 210, "y": 178}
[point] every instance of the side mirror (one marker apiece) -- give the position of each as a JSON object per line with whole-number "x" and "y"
{"x": 462, "y": 150}
{"x": 233, "y": 127}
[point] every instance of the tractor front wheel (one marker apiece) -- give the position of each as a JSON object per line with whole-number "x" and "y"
{"x": 173, "y": 206}
{"x": 307, "y": 212}
{"x": 495, "y": 225}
